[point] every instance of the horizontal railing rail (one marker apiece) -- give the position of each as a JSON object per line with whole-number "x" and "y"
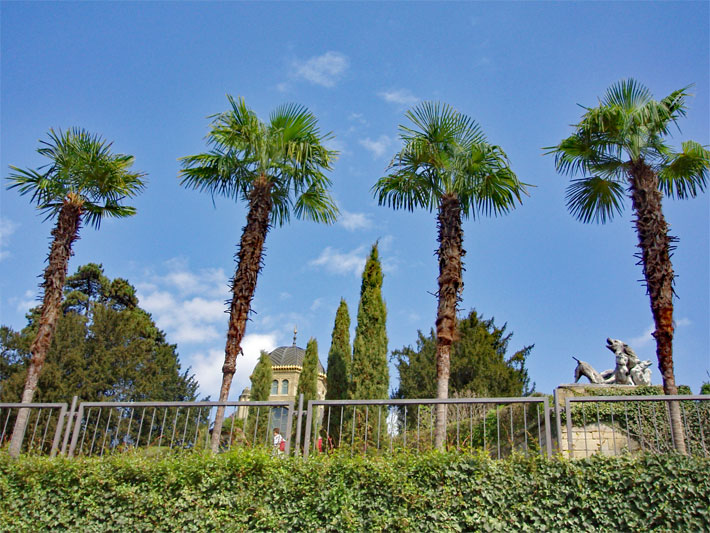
{"x": 163, "y": 426}
{"x": 615, "y": 425}
{"x": 473, "y": 422}
{"x": 45, "y": 424}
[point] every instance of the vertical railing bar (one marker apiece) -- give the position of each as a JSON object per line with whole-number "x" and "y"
{"x": 150, "y": 431}
{"x": 613, "y": 428}
{"x": 498, "y": 428}
{"x": 83, "y": 435}
{"x": 458, "y": 424}
{"x": 197, "y": 428}
{"x": 599, "y": 427}
{"x": 256, "y": 425}
{"x": 548, "y": 429}
{"x": 485, "y": 415}
{"x": 470, "y": 435}
{"x": 431, "y": 425}
{"x": 128, "y": 431}
{"x": 184, "y": 431}
{"x": 379, "y": 420}
{"x": 340, "y": 432}
{"x": 558, "y": 419}
{"x": 700, "y": 425}
{"x": 419, "y": 412}
{"x": 327, "y": 429}
{"x": 685, "y": 427}
{"x": 352, "y": 438}
{"x": 638, "y": 425}
{"x": 568, "y": 423}
{"x": 61, "y": 417}
{"x": 140, "y": 429}
{"x": 512, "y": 431}
{"x": 404, "y": 434}
{"x": 162, "y": 427}
{"x": 628, "y": 432}
{"x": 172, "y": 436}
{"x": 307, "y": 433}
{"x": 670, "y": 425}
{"x": 655, "y": 427}
{"x": 539, "y": 429}
{"x": 584, "y": 428}
{"x": 231, "y": 426}
{"x": 96, "y": 427}
{"x": 46, "y": 427}
{"x": 4, "y": 427}
{"x": 289, "y": 427}
{"x": 207, "y": 426}
{"x": 118, "y": 427}
{"x": 268, "y": 425}
{"x": 525, "y": 427}
{"x": 108, "y": 422}
{"x": 390, "y": 430}
{"x": 30, "y": 444}
{"x": 367, "y": 423}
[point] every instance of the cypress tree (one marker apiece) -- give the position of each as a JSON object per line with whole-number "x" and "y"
{"x": 370, "y": 373}
{"x": 260, "y": 390}
{"x": 339, "y": 356}
{"x": 308, "y": 380}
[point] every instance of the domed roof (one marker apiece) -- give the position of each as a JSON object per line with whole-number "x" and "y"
{"x": 291, "y": 356}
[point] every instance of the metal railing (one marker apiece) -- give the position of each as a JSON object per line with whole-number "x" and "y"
{"x": 497, "y": 425}
{"x": 43, "y": 430}
{"x": 158, "y": 427}
{"x": 614, "y": 425}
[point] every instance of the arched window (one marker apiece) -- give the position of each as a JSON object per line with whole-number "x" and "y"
{"x": 275, "y": 386}
{"x": 284, "y": 386}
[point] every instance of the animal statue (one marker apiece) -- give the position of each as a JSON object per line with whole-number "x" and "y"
{"x": 629, "y": 369}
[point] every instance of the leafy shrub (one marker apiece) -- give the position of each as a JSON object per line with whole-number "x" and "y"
{"x": 252, "y": 491}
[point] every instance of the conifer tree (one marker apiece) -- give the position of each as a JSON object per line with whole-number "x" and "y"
{"x": 370, "y": 373}
{"x": 308, "y": 380}
{"x": 260, "y": 389}
{"x": 339, "y": 356}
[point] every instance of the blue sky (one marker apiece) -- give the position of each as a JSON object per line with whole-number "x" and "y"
{"x": 146, "y": 76}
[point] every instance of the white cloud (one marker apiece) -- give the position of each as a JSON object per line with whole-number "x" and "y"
{"x": 354, "y": 221}
{"x": 317, "y": 304}
{"x": 7, "y": 228}
{"x": 337, "y": 262}
{"x": 207, "y": 367}
{"x": 399, "y": 96}
{"x": 325, "y": 70}
{"x": 27, "y": 301}
{"x": 189, "y": 306}
{"x": 379, "y": 146}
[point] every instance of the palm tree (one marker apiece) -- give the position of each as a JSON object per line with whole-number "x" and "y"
{"x": 447, "y": 164}
{"x": 276, "y": 167}
{"x": 84, "y": 182}
{"x": 620, "y": 145}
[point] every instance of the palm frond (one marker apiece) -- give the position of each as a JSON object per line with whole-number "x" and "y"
{"x": 595, "y": 199}
{"x": 685, "y": 174}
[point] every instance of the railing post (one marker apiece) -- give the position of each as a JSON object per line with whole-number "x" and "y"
{"x": 69, "y": 424}
{"x": 298, "y": 424}
{"x": 309, "y": 421}
{"x": 548, "y": 431}
{"x": 568, "y": 415}
{"x": 289, "y": 425}
{"x": 77, "y": 428}
{"x": 58, "y": 431}
{"x": 558, "y": 421}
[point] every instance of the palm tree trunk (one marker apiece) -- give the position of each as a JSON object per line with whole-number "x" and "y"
{"x": 655, "y": 245}
{"x": 243, "y": 286}
{"x": 450, "y": 286}
{"x": 65, "y": 233}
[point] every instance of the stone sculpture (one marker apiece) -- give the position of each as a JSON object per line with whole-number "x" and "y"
{"x": 629, "y": 369}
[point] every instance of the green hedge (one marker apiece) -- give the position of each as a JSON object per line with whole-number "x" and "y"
{"x": 251, "y": 491}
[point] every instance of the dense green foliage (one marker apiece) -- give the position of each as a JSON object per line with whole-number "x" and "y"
{"x": 370, "y": 373}
{"x": 261, "y": 379}
{"x": 479, "y": 366}
{"x": 339, "y": 356}
{"x": 250, "y": 491}
{"x": 105, "y": 348}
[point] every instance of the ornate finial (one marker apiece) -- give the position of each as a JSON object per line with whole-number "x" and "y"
{"x": 295, "y": 332}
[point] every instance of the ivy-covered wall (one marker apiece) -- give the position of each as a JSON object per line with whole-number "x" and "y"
{"x": 250, "y": 491}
